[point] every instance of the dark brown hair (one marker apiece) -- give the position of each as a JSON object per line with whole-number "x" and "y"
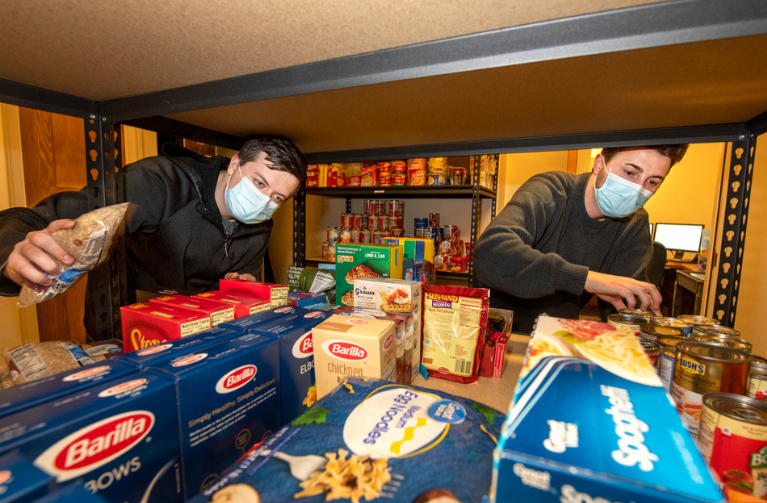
{"x": 673, "y": 152}
{"x": 280, "y": 152}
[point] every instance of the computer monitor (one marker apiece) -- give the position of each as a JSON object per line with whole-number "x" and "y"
{"x": 679, "y": 238}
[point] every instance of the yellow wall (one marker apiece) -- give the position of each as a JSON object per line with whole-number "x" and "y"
{"x": 749, "y": 309}
{"x": 515, "y": 169}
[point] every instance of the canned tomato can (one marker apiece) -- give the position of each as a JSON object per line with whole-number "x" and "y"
{"x": 633, "y": 322}
{"x": 696, "y": 319}
{"x": 373, "y": 221}
{"x": 433, "y": 220}
{"x": 733, "y": 442}
{"x": 652, "y": 350}
{"x": 674, "y": 322}
{"x": 347, "y": 220}
{"x": 667, "y": 357}
{"x": 757, "y": 379}
{"x": 702, "y": 368}
{"x": 345, "y": 236}
{"x": 638, "y": 312}
{"x": 651, "y": 331}
{"x": 332, "y": 235}
{"x": 397, "y": 232}
{"x": 724, "y": 341}
{"x": 357, "y": 221}
{"x": 366, "y": 236}
{"x": 383, "y": 223}
{"x": 720, "y": 330}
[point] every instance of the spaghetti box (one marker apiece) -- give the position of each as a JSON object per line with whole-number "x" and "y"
{"x": 20, "y": 480}
{"x": 256, "y": 321}
{"x": 228, "y": 398}
{"x": 147, "y": 325}
{"x": 354, "y": 261}
{"x": 277, "y": 295}
{"x": 296, "y": 360}
{"x": 153, "y": 355}
{"x": 75, "y": 493}
{"x": 218, "y": 312}
{"x": 579, "y": 432}
{"x": 30, "y": 394}
{"x": 305, "y": 299}
{"x": 119, "y": 438}
{"x": 244, "y": 305}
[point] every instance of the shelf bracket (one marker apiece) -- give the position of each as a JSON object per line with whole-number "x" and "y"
{"x": 299, "y": 226}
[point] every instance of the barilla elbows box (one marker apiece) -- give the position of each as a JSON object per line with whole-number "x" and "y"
{"x": 147, "y": 325}
{"x": 256, "y": 321}
{"x": 294, "y": 333}
{"x": 153, "y": 355}
{"x": 74, "y": 493}
{"x": 30, "y": 394}
{"x": 218, "y": 312}
{"x": 228, "y": 400}
{"x": 355, "y": 261}
{"x": 21, "y": 481}
{"x": 276, "y": 295}
{"x": 244, "y": 305}
{"x": 119, "y": 438}
{"x": 349, "y": 346}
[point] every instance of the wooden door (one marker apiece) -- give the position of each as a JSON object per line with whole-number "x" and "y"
{"x": 53, "y": 147}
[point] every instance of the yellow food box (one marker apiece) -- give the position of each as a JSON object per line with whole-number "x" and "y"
{"x": 357, "y": 260}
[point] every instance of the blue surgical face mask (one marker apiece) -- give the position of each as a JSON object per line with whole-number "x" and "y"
{"x": 246, "y": 203}
{"x": 618, "y": 197}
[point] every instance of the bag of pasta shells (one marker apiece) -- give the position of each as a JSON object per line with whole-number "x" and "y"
{"x": 89, "y": 242}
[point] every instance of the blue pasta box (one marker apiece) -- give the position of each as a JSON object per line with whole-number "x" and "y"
{"x": 256, "y": 321}
{"x": 75, "y": 493}
{"x": 228, "y": 398}
{"x": 119, "y": 438}
{"x": 30, "y": 394}
{"x": 20, "y": 480}
{"x": 372, "y": 440}
{"x": 154, "y": 355}
{"x": 296, "y": 360}
{"x": 305, "y": 299}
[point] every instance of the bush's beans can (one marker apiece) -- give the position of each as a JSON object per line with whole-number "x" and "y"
{"x": 333, "y": 235}
{"x": 638, "y": 312}
{"x": 366, "y": 236}
{"x": 417, "y": 177}
{"x": 696, "y": 319}
{"x": 757, "y": 379}
{"x": 433, "y": 220}
{"x": 630, "y": 321}
{"x": 651, "y": 331}
{"x": 345, "y": 236}
{"x": 720, "y": 330}
{"x": 724, "y": 341}
{"x": 651, "y": 349}
{"x": 733, "y": 441}
{"x": 373, "y": 221}
{"x": 674, "y": 322}
{"x": 347, "y": 220}
{"x": 667, "y": 358}
{"x": 702, "y": 368}
{"x": 357, "y": 221}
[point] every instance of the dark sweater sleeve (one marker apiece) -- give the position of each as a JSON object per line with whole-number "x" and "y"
{"x": 505, "y": 257}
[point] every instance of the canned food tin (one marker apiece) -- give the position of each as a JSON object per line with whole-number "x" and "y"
{"x": 444, "y": 247}
{"x": 757, "y": 379}
{"x": 332, "y": 235}
{"x": 355, "y": 235}
{"x": 331, "y": 252}
{"x": 665, "y": 367}
{"x": 383, "y": 223}
{"x": 637, "y": 312}
{"x": 347, "y": 220}
{"x": 630, "y": 321}
{"x": 399, "y": 166}
{"x": 652, "y": 350}
{"x": 384, "y": 166}
{"x": 674, "y": 322}
{"x": 433, "y": 219}
{"x": 419, "y": 232}
{"x": 355, "y": 181}
{"x": 384, "y": 179}
{"x": 419, "y": 163}
{"x": 696, "y": 319}
{"x": 378, "y": 235}
{"x": 724, "y": 341}
{"x": 459, "y": 176}
{"x": 376, "y": 207}
{"x": 356, "y": 221}
{"x": 651, "y": 331}
{"x": 720, "y": 330}
{"x": 397, "y": 232}
{"x": 399, "y": 179}
{"x": 345, "y": 236}
{"x": 395, "y": 223}
{"x": 369, "y": 206}
{"x": 373, "y": 221}
{"x": 733, "y": 441}
{"x": 435, "y": 179}
{"x": 451, "y": 233}
{"x": 417, "y": 177}
{"x": 366, "y": 236}
{"x": 325, "y": 249}
{"x": 702, "y": 368}
{"x": 432, "y": 233}
{"x": 395, "y": 208}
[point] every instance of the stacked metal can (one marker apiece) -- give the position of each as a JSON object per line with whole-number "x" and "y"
{"x": 384, "y": 217}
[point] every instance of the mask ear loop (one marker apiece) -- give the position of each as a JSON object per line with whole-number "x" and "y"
{"x": 230, "y": 176}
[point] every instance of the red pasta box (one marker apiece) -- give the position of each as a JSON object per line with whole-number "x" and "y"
{"x": 313, "y": 180}
{"x": 147, "y": 325}
{"x": 244, "y": 305}
{"x": 277, "y": 295}
{"x": 218, "y": 312}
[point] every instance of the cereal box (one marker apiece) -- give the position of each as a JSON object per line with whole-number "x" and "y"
{"x": 120, "y": 438}
{"x": 256, "y": 321}
{"x": 454, "y": 324}
{"x": 354, "y": 261}
{"x": 277, "y": 295}
{"x": 347, "y": 346}
{"x": 381, "y": 442}
{"x": 294, "y": 334}
{"x": 20, "y": 480}
{"x": 228, "y": 400}
{"x": 147, "y": 325}
{"x": 244, "y": 305}
{"x": 218, "y": 312}
{"x": 579, "y": 432}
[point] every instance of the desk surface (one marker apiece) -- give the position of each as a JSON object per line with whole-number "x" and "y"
{"x": 681, "y": 265}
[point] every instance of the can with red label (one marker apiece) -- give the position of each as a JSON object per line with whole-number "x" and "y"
{"x": 733, "y": 441}
{"x": 417, "y": 177}
{"x": 399, "y": 166}
{"x": 372, "y": 222}
{"x": 357, "y": 221}
{"x": 347, "y": 220}
{"x": 433, "y": 219}
{"x": 355, "y": 181}
{"x": 399, "y": 179}
{"x": 395, "y": 222}
{"x": 383, "y": 223}
{"x": 379, "y": 235}
{"x": 355, "y": 235}
{"x": 369, "y": 206}
{"x": 395, "y": 208}
{"x": 384, "y": 179}
{"x": 366, "y": 236}
{"x": 451, "y": 233}
{"x": 398, "y": 232}
{"x": 345, "y": 236}
{"x": 757, "y": 378}
{"x": 651, "y": 349}
{"x": 333, "y": 235}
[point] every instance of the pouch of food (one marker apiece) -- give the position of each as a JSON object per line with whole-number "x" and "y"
{"x": 89, "y": 242}
{"x": 30, "y": 362}
{"x": 454, "y": 324}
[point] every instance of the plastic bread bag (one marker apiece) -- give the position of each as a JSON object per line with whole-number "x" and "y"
{"x": 31, "y": 362}
{"x": 89, "y": 242}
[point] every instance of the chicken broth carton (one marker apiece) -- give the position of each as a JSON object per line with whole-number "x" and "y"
{"x": 228, "y": 399}
{"x": 349, "y": 346}
{"x": 119, "y": 438}
{"x": 244, "y": 305}
{"x": 145, "y": 325}
{"x": 276, "y": 295}
{"x": 218, "y": 313}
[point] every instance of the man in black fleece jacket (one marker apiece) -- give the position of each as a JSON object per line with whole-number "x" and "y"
{"x": 194, "y": 220}
{"x": 563, "y": 238}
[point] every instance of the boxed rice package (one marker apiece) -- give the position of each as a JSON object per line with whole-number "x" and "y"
{"x": 145, "y": 325}
{"x": 592, "y": 422}
{"x": 372, "y": 440}
{"x": 276, "y": 295}
{"x": 349, "y": 346}
{"x": 355, "y": 261}
{"x": 244, "y": 305}
{"x": 218, "y": 313}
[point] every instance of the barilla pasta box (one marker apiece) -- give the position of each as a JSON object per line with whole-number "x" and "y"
{"x": 294, "y": 333}
{"x": 74, "y": 493}
{"x": 120, "y": 438}
{"x": 244, "y": 305}
{"x": 147, "y": 325}
{"x": 276, "y": 295}
{"x": 382, "y": 442}
{"x": 228, "y": 400}
{"x": 154, "y": 355}
{"x": 355, "y": 261}
{"x": 30, "y": 394}
{"x": 256, "y": 321}
{"x": 21, "y": 481}
{"x": 349, "y": 346}
{"x": 581, "y": 432}
{"x": 305, "y": 299}
{"x": 218, "y": 312}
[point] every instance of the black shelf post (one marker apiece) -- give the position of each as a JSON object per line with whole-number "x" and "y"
{"x": 299, "y": 226}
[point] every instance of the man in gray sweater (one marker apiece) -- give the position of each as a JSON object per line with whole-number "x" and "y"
{"x": 563, "y": 238}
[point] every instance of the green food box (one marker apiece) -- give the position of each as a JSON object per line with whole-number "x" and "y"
{"x": 356, "y": 260}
